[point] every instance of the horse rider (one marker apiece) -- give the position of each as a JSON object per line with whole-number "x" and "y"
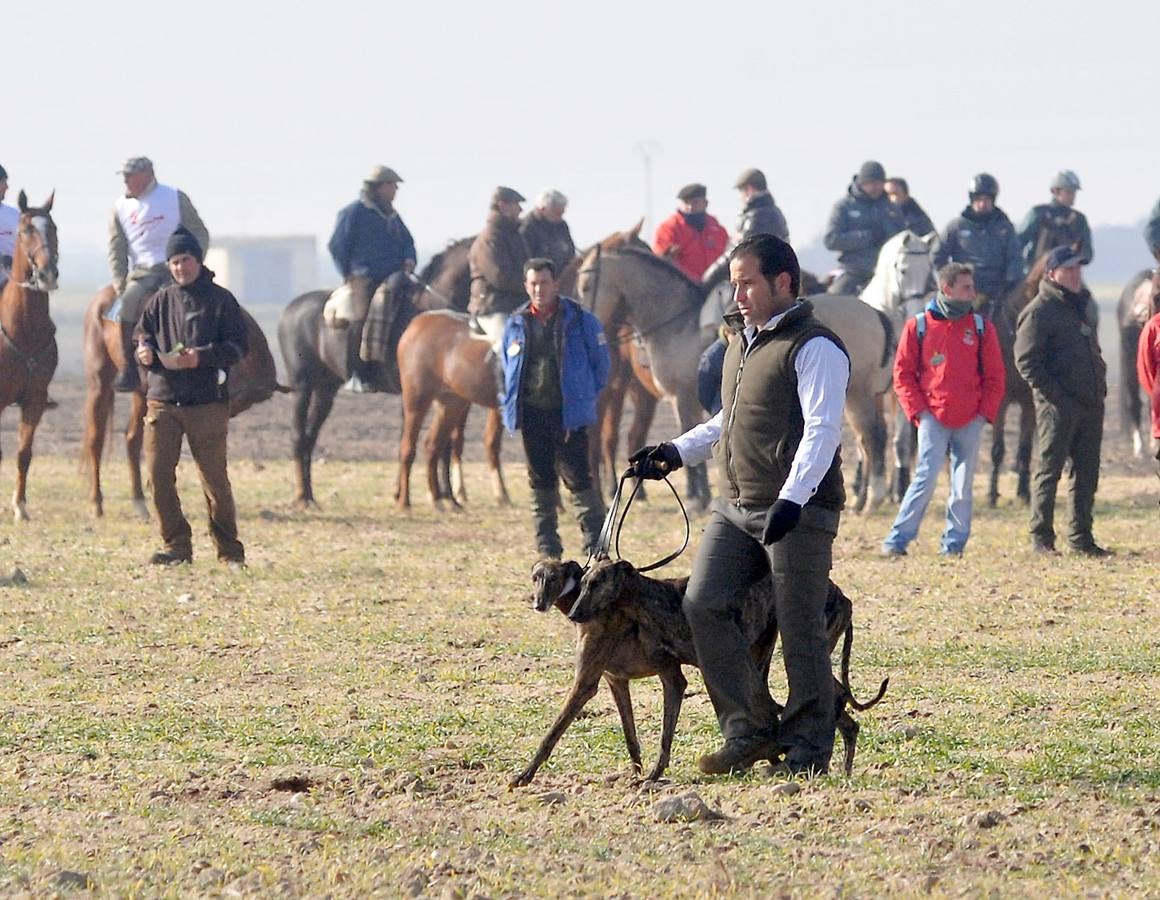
{"x": 9, "y": 223}
{"x": 370, "y": 243}
{"x": 555, "y": 364}
{"x": 546, "y": 233}
{"x": 496, "y": 261}
{"x": 1152, "y": 231}
{"x": 860, "y": 223}
{"x": 690, "y": 237}
{"x": 759, "y": 215}
{"x": 982, "y": 236}
{"x": 777, "y": 441}
{"x": 142, "y": 221}
{"x": 191, "y": 332}
{"x": 914, "y": 217}
{"x": 1057, "y": 352}
{"x": 1056, "y": 223}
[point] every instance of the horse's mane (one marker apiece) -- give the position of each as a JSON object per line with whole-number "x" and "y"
{"x": 640, "y": 250}
{"x": 435, "y": 263}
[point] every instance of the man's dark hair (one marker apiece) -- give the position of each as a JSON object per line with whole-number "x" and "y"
{"x": 901, "y": 182}
{"x": 540, "y": 264}
{"x": 773, "y": 256}
{"x": 950, "y": 273}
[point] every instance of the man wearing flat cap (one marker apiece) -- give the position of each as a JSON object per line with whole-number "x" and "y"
{"x": 759, "y": 215}
{"x": 189, "y": 336}
{"x": 860, "y": 223}
{"x": 1057, "y": 352}
{"x": 370, "y": 243}
{"x": 1056, "y": 223}
{"x": 496, "y": 261}
{"x": 9, "y": 222}
{"x": 142, "y": 222}
{"x": 690, "y": 237}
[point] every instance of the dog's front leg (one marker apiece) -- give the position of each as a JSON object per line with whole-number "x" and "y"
{"x": 673, "y": 684}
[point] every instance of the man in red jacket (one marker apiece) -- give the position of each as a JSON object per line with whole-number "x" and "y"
{"x": 949, "y": 378}
{"x": 1148, "y": 364}
{"x": 691, "y": 237}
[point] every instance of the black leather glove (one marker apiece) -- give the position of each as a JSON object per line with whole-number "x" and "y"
{"x": 780, "y": 520}
{"x": 655, "y": 461}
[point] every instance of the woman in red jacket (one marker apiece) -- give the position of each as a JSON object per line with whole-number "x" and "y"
{"x": 949, "y": 378}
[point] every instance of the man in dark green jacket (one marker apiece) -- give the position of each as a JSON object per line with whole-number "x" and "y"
{"x": 1056, "y": 223}
{"x": 1058, "y": 353}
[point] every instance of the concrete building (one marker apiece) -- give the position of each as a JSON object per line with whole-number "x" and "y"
{"x": 265, "y": 269}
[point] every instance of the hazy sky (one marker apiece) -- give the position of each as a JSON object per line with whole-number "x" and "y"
{"x": 268, "y": 114}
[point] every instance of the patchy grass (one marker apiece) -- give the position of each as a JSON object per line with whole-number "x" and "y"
{"x": 343, "y": 717}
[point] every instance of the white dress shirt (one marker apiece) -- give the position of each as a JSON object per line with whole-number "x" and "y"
{"x": 823, "y": 372}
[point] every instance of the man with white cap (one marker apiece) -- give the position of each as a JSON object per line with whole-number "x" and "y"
{"x": 9, "y": 221}
{"x": 370, "y": 243}
{"x": 1057, "y": 223}
{"x": 1057, "y": 352}
{"x": 142, "y": 222}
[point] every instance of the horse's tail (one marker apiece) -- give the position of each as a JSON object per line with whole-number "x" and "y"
{"x": 890, "y": 344}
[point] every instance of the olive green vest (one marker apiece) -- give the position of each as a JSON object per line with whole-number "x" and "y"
{"x": 762, "y": 423}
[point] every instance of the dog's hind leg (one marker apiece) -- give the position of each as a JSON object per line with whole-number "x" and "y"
{"x": 674, "y": 685}
{"x": 848, "y": 728}
{"x": 620, "y": 693}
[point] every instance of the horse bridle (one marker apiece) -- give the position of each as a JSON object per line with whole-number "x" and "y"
{"x": 33, "y": 283}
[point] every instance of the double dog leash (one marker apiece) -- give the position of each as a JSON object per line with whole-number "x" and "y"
{"x": 609, "y": 537}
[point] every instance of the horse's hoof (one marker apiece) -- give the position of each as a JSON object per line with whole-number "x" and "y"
{"x": 503, "y": 500}
{"x": 141, "y": 508}
{"x": 19, "y": 514}
{"x": 98, "y": 510}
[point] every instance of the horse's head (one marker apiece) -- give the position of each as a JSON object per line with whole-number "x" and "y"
{"x": 914, "y": 267}
{"x": 36, "y": 245}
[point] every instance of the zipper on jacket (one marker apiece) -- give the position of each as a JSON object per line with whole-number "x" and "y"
{"x": 729, "y": 470}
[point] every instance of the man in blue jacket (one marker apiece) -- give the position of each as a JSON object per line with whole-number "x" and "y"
{"x": 370, "y": 244}
{"x": 983, "y": 237}
{"x": 555, "y": 365}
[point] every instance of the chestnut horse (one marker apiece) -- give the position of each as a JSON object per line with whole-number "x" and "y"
{"x": 251, "y": 381}
{"x": 28, "y": 355}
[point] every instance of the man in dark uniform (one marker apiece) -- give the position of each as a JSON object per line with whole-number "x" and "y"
{"x": 914, "y": 217}
{"x": 1152, "y": 231}
{"x": 370, "y": 243}
{"x": 1057, "y": 223}
{"x": 545, "y": 231}
{"x": 983, "y": 237}
{"x": 1057, "y": 352}
{"x": 783, "y": 386}
{"x": 860, "y": 223}
{"x": 188, "y": 337}
{"x": 759, "y": 215}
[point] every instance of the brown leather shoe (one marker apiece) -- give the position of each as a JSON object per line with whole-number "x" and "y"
{"x": 738, "y": 754}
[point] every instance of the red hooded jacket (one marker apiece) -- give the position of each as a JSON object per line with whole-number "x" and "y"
{"x": 1148, "y": 367}
{"x": 695, "y": 250}
{"x": 946, "y": 380}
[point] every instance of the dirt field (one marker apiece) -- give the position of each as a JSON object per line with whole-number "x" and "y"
{"x": 342, "y": 718}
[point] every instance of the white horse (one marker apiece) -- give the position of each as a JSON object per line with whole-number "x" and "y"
{"x": 903, "y": 280}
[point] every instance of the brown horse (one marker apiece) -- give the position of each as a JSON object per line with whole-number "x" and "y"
{"x": 28, "y": 355}
{"x": 251, "y": 381}
{"x": 1139, "y": 301}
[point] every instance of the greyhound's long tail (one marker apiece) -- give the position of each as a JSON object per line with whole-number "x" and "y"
{"x": 847, "y": 644}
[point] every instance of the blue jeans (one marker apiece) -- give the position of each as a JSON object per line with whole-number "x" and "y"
{"x": 934, "y": 440}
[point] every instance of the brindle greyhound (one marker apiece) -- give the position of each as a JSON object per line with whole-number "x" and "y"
{"x": 631, "y": 626}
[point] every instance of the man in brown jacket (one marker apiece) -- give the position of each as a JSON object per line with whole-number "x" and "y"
{"x": 497, "y": 260}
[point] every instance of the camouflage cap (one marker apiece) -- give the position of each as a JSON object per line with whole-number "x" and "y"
{"x": 692, "y": 192}
{"x": 751, "y": 178}
{"x": 507, "y": 195}
{"x": 135, "y": 164}
{"x": 381, "y": 175}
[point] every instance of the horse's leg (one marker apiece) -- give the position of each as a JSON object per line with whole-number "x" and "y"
{"x": 866, "y": 419}
{"x": 451, "y": 478}
{"x": 904, "y": 443}
{"x": 30, "y": 414}
{"x": 604, "y": 449}
{"x": 98, "y": 408}
{"x": 414, "y": 411}
{"x": 492, "y": 444}
{"x": 312, "y": 406}
{"x": 644, "y": 408}
{"x": 1023, "y": 454}
{"x": 134, "y": 438}
{"x": 688, "y": 415}
{"x": 450, "y": 412}
{"x": 998, "y": 451}
{"x": 1131, "y": 407}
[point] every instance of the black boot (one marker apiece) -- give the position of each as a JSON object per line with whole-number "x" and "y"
{"x": 589, "y": 507}
{"x": 544, "y": 504}
{"x": 128, "y": 380}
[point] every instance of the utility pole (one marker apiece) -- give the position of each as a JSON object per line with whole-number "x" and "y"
{"x": 647, "y": 148}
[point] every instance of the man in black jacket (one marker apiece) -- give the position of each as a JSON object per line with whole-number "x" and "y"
{"x": 1057, "y": 352}
{"x": 188, "y": 337}
{"x": 759, "y": 215}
